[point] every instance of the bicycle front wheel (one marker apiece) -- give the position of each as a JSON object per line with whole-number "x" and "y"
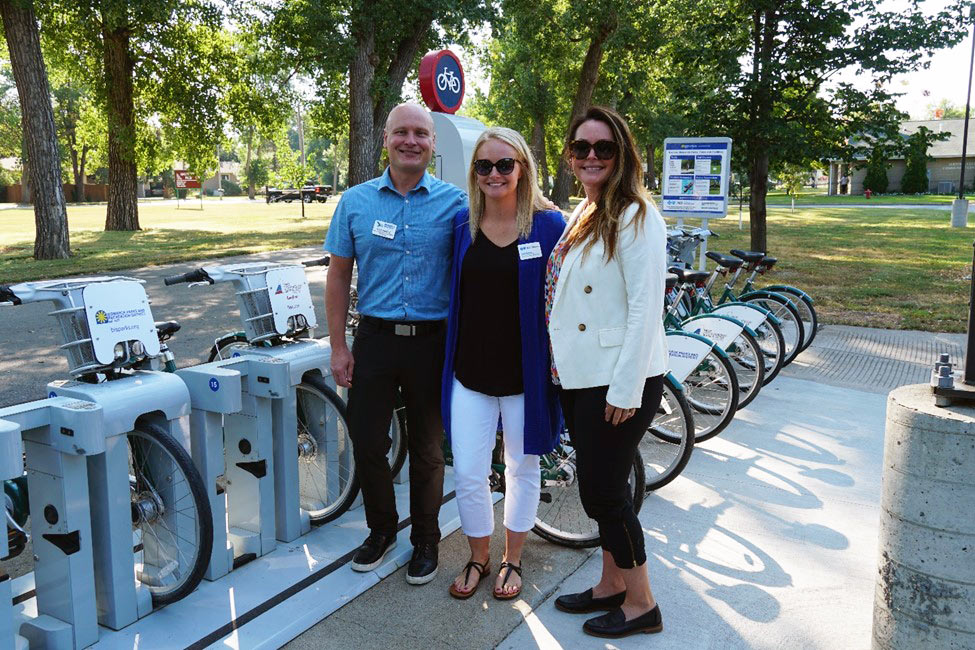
{"x": 748, "y": 362}
{"x": 712, "y": 391}
{"x": 327, "y": 483}
{"x": 561, "y": 518}
{"x": 793, "y": 331}
{"x": 668, "y": 446}
{"x": 171, "y": 517}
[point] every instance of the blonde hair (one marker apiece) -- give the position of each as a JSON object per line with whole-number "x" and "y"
{"x": 624, "y": 186}
{"x": 530, "y": 197}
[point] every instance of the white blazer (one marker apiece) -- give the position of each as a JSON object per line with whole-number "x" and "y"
{"x": 606, "y": 323}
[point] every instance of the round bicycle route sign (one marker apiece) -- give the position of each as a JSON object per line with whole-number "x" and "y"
{"x": 442, "y": 81}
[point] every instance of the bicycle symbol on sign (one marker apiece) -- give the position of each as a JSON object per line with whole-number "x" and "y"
{"x": 447, "y": 79}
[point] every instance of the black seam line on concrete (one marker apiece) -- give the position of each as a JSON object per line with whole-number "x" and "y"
{"x": 921, "y": 524}
{"x": 279, "y": 598}
{"x": 927, "y": 623}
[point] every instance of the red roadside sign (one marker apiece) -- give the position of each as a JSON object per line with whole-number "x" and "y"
{"x": 184, "y": 179}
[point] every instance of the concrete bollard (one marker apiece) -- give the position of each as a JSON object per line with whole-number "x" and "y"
{"x": 959, "y": 213}
{"x": 925, "y": 595}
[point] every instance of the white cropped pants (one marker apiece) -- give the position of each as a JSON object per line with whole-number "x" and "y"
{"x": 473, "y": 432}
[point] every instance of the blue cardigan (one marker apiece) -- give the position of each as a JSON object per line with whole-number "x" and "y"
{"x": 543, "y": 417}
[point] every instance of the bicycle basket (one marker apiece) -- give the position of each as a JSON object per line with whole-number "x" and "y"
{"x": 257, "y": 308}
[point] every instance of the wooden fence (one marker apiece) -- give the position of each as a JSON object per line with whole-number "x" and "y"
{"x": 93, "y": 192}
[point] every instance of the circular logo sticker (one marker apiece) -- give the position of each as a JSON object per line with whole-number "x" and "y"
{"x": 214, "y": 384}
{"x": 235, "y": 354}
{"x": 442, "y": 81}
{"x": 52, "y": 394}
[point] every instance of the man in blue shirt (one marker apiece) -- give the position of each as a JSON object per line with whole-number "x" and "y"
{"x": 397, "y": 228}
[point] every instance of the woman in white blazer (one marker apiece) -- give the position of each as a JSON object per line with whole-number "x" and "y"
{"x": 604, "y": 299}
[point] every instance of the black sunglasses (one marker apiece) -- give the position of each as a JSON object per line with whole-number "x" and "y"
{"x": 505, "y": 166}
{"x": 605, "y": 149}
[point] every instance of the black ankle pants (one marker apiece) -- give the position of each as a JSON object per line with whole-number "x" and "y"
{"x": 604, "y": 456}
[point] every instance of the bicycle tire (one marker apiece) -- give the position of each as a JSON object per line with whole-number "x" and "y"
{"x": 327, "y": 480}
{"x": 712, "y": 391}
{"x": 770, "y": 339}
{"x": 791, "y": 327}
{"x": 154, "y": 500}
{"x": 216, "y": 351}
{"x": 561, "y": 518}
{"x": 807, "y": 313}
{"x": 747, "y": 359}
{"x": 666, "y": 451}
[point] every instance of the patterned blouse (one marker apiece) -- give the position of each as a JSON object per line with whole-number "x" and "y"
{"x": 551, "y": 279}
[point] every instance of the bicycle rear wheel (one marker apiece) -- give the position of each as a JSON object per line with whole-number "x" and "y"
{"x": 791, "y": 327}
{"x": 171, "y": 516}
{"x": 748, "y": 362}
{"x": 327, "y": 483}
{"x": 667, "y": 448}
{"x": 561, "y": 518}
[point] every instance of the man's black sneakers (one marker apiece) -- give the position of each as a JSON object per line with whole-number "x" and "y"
{"x": 423, "y": 564}
{"x": 370, "y": 555}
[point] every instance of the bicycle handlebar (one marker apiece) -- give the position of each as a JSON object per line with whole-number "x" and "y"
{"x": 319, "y": 262}
{"x": 198, "y": 275}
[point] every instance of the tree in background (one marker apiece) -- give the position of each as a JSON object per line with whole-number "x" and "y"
{"x": 51, "y": 240}
{"x": 948, "y": 110}
{"x": 793, "y": 177}
{"x": 916, "y": 159}
{"x": 877, "y": 165}
{"x": 784, "y": 104}
{"x": 359, "y": 53}
{"x": 147, "y": 59}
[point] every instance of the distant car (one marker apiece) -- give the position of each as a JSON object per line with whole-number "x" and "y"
{"x": 307, "y": 194}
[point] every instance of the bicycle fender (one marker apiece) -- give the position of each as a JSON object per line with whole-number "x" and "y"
{"x": 734, "y": 320}
{"x": 672, "y": 382}
{"x": 784, "y": 288}
{"x": 769, "y": 315}
{"x": 229, "y": 337}
{"x": 762, "y": 293}
{"x": 685, "y": 357}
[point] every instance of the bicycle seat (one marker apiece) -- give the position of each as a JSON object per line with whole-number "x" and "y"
{"x": 748, "y": 256}
{"x": 768, "y": 262}
{"x": 687, "y": 275}
{"x": 671, "y": 281}
{"x": 165, "y": 329}
{"x": 724, "y": 260}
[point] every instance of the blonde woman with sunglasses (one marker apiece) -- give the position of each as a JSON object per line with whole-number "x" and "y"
{"x": 497, "y": 356}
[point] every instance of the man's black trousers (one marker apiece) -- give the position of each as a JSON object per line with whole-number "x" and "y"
{"x": 384, "y": 364}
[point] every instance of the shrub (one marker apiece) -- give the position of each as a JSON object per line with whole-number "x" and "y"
{"x": 876, "y": 179}
{"x": 230, "y": 188}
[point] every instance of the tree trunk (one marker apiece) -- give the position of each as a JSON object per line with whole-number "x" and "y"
{"x": 123, "y": 208}
{"x": 538, "y": 150}
{"x": 651, "y": 168}
{"x": 247, "y": 163}
{"x": 758, "y": 180}
{"x": 51, "y": 239}
{"x": 581, "y": 103}
{"x": 362, "y": 72}
{"x": 79, "y": 188}
{"x": 26, "y": 187}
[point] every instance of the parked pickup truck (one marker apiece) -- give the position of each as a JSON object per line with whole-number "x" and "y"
{"x": 308, "y": 193}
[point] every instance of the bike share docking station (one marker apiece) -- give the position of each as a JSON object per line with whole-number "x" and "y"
{"x": 244, "y": 420}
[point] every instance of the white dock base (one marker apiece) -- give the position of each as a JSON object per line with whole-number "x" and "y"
{"x": 274, "y": 598}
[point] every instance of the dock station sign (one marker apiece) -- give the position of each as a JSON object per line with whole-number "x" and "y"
{"x": 442, "y": 81}
{"x": 695, "y": 178}
{"x": 185, "y": 180}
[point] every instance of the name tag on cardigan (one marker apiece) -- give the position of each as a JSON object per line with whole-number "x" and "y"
{"x": 529, "y": 251}
{"x": 384, "y": 229}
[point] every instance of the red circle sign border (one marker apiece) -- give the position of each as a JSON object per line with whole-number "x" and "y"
{"x": 428, "y": 69}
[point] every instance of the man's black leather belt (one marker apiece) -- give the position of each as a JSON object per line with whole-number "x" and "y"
{"x": 403, "y": 327}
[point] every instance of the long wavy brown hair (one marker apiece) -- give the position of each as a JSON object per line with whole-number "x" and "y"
{"x": 601, "y": 218}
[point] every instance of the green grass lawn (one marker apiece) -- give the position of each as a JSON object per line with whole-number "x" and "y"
{"x": 898, "y": 269}
{"x": 168, "y": 235}
{"x": 810, "y": 196}
{"x": 902, "y": 268}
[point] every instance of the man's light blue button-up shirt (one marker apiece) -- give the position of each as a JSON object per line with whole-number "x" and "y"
{"x": 406, "y": 276}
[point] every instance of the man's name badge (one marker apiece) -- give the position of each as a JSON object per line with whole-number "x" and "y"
{"x": 384, "y": 229}
{"x": 529, "y": 251}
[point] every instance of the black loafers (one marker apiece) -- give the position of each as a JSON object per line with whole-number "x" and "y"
{"x": 585, "y": 602}
{"x": 423, "y": 565}
{"x": 614, "y": 624}
{"x": 370, "y": 555}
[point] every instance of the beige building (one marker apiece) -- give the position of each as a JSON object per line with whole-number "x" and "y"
{"x": 943, "y": 172}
